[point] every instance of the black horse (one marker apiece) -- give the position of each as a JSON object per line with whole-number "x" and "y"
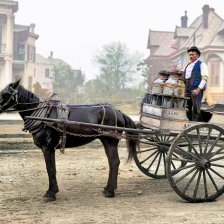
{"x": 49, "y": 137}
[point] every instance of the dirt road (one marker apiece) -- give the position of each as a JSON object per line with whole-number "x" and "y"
{"x": 82, "y": 173}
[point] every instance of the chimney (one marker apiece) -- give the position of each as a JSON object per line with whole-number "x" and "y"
{"x": 184, "y": 20}
{"x": 205, "y": 10}
{"x": 32, "y": 27}
{"x": 51, "y": 55}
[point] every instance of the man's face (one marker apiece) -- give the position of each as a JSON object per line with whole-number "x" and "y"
{"x": 193, "y": 56}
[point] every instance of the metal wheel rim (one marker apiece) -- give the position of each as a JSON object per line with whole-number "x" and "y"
{"x": 203, "y": 173}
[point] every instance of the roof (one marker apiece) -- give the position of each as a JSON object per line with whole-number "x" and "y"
{"x": 12, "y": 4}
{"x": 50, "y": 61}
{"x": 205, "y": 36}
{"x": 164, "y": 43}
{"x": 19, "y": 28}
{"x": 163, "y": 40}
{"x": 184, "y": 31}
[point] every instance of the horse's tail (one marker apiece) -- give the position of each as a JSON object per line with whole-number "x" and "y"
{"x": 131, "y": 138}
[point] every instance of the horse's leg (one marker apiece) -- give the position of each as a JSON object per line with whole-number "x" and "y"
{"x": 111, "y": 150}
{"x": 49, "y": 156}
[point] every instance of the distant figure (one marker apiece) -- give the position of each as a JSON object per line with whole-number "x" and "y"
{"x": 196, "y": 75}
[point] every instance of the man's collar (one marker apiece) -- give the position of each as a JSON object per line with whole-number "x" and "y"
{"x": 193, "y": 62}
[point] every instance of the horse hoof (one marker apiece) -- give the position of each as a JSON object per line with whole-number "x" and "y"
{"x": 49, "y": 199}
{"x": 109, "y": 194}
{"x": 50, "y": 194}
{"x": 105, "y": 190}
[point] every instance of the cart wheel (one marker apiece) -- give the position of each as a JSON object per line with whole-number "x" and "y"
{"x": 151, "y": 155}
{"x": 200, "y": 178}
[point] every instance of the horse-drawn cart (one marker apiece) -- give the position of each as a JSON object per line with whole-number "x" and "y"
{"x": 190, "y": 154}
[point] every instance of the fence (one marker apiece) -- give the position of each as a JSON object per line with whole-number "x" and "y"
{"x": 125, "y": 104}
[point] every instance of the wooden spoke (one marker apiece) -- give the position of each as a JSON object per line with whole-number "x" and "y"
{"x": 183, "y": 168}
{"x": 192, "y": 146}
{"x": 147, "y": 150}
{"x": 218, "y": 151}
{"x": 199, "y": 140}
{"x": 212, "y": 180}
{"x": 207, "y": 140}
{"x": 164, "y": 162}
{"x": 146, "y": 143}
{"x": 216, "y": 173}
{"x": 190, "y": 181}
{"x": 218, "y": 165}
{"x": 151, "y": 158}
{"x": 183, "y": 160}
{"x": 186, "y": 153}
{"x": 197, "y": 184}
{"x": 215, "y": 143}
{"x": 152, "y": 161}
{"x": 158, "y": 164}
{"x": 148, "y": 157}
{"x": 215, "y": 159}
{"x": 186, "y": 174}
{"x": 205, "y": 184}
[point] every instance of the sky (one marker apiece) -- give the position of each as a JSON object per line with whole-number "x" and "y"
{"x": 75, "y": 30}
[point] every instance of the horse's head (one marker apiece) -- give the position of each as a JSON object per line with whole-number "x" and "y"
{"x": 9, "y": 96}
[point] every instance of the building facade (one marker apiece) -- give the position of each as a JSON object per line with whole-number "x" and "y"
{"x": 17, "y": 46}
{"x": 18, "y": 57}
{"x": 7, "y": 10}
{"x": 168, "y": 50}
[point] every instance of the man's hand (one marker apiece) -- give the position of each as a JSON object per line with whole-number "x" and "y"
{"x": 195, "y": 92}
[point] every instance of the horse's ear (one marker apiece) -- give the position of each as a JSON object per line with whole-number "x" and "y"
{"x": 14, "y": 85}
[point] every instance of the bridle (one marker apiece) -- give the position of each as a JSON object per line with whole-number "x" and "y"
{"x": 14, "y": 97}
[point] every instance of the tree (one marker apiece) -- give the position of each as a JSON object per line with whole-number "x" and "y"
{"x": 41, "y": 92}
{"x": 116, "y": 66}
{"x": 144, "y": 69}
{"x": 66, "y": 81}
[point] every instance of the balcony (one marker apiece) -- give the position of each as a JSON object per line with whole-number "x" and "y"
{"x": 19, "y": 56}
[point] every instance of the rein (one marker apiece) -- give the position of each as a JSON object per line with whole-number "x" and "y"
{"x": 14, "y": 96}
{"x": 11, "y": 109}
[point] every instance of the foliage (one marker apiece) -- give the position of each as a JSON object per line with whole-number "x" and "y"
{"x": 116, "y": 66}
{"x": 143, "y": 68}
{"x": 41, "y": 92}
{"x": 67, "y": 81}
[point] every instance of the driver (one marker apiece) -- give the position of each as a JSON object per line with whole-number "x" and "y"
{"x": 196, "y": 75}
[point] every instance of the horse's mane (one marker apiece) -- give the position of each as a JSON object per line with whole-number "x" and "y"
{"x": 26, "y": 95}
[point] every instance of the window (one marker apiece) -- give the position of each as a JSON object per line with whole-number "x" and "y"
{"x": 214, "y": 72}
{"x": 31, "y": 51}
{"x": 47, "y": 73}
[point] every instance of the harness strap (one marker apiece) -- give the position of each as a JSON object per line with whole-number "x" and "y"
{"x": 63, "y": 116}
{"x": 115, "y": 114}
{"x": 63, "y": 137}
{"x": 104, "y": 114}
